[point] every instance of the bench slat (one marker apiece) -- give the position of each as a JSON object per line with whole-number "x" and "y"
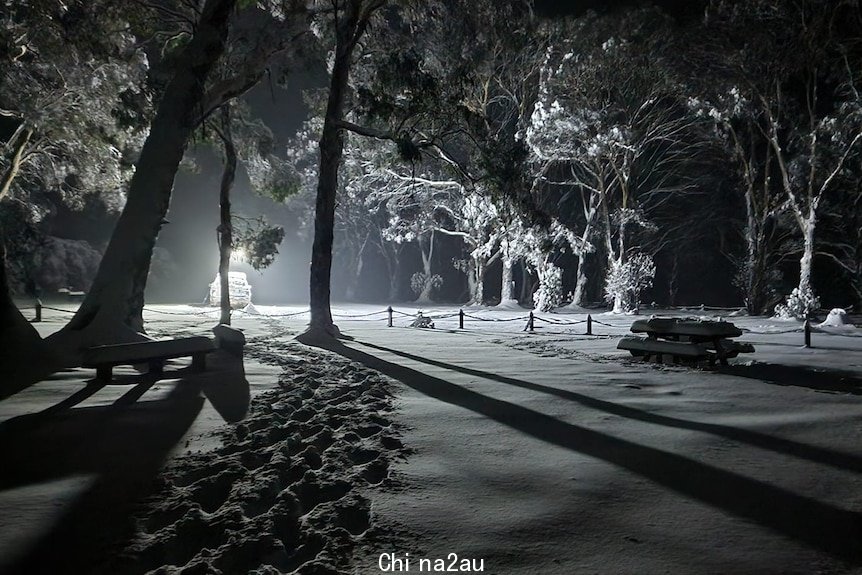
{"x": 141, "y": 352}
{"x": 682, "y": 349}
{"x": 676, "y": 326}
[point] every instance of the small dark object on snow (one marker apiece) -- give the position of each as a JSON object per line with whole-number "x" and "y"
{"x": 422, "y": 321}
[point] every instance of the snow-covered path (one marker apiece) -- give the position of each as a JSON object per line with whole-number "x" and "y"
{"x": 592, "y": 463}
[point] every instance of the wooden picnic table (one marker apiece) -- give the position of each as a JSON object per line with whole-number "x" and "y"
{"x": 685, "y": 339}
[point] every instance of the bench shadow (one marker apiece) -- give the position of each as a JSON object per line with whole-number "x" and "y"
{"x": 835, "y": 381}
{"x": 837, "y": 459}
{"x": 827, "y": 528}
{"x": 123, "y": 446}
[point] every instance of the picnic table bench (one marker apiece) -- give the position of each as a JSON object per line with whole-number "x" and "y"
{"x": 685, "y": 340}
{"x": 153, "y": 353}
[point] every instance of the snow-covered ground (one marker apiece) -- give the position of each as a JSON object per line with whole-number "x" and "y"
{"x": 543, "y": 452}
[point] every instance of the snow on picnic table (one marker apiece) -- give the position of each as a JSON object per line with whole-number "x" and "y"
{"x": 553, "y": 452}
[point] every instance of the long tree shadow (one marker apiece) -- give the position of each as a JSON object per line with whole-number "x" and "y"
{"x": 835, "y": 531}
{"x": 824, "y": 456}
{"x": 122, "y": 445}
{"x": 799, "y": 376}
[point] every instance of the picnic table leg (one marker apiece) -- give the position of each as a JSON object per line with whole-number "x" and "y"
{"x": 103, "y": 373}
{"x": 156, "y": 367}
{"x": 719, "y": 351}
{"x": 199, "y": 362}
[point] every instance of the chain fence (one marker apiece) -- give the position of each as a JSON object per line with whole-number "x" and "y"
{"x": 422, "y": 319}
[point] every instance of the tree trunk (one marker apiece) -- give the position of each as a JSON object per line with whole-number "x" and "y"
{"x": 807, "y": 259}
{"x": 476, "y": 280}
{"x": 112, "y": 310}
{"x": 580, "y": 293}
{"x": 357, "y": 263}
{"x": 507, "y": 287}
{"x": 331, "y": 150}
{"x": 225, "y": 228}
{"x": 427, "y": 256}
{"x": 751, "y": 234}
{"x": 527, "y": 283}
{"x": 24, "y": 359}
{"x": 673, "y": 281}
{"x": 393, "y": 265}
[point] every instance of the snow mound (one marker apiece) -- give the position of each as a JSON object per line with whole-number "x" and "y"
{"x": 836, "y": 318}
{"x": 509, "y": 304}
{"x": 251, "y": 310}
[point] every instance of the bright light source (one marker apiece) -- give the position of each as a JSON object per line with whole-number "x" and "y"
{"x": 239, "y": 289}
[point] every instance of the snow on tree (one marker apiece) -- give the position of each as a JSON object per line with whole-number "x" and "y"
{"x": 609, "y": 118}
{"x": 73, "y": 106}
{"x": 550, "y": 292}
{"x": 626, "y": 280}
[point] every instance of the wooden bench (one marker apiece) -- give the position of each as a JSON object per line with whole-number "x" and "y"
{"x": 154, "y": 353}
{"x": 685, "y": 340}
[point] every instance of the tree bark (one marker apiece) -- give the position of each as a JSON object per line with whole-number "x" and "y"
{"x": 114, "y": 305}
{"x": 225, "y": 228}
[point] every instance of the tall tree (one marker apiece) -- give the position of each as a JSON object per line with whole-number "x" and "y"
{"x": 802, "y": 109}
{"x": 112, "y": 309}
{"x": 349, "y": 20}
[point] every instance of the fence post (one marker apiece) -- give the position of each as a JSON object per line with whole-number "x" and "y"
{"x": 38, "y": 317}
{"x": 589, "y": 324}
{"x": 389, "y": 309}
{"x": 460, "y": 319}
{"x": 807, "y": 333}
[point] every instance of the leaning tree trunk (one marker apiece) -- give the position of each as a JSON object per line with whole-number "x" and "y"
{"x": 331, "y": 150}
{"x": 24, "y": 359}
{"x": 113, "y": 307}
{"x": 225, "y": 228}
